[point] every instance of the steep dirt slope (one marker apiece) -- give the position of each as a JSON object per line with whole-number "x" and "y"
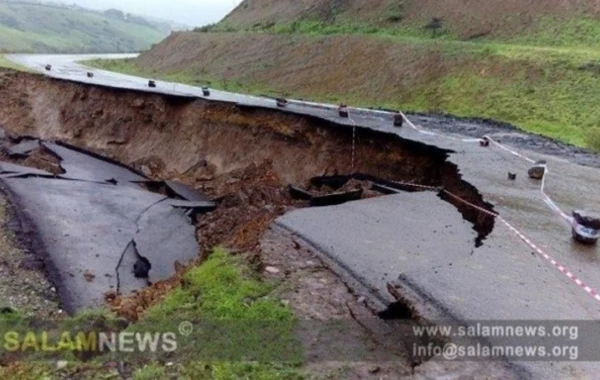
{"x": 174, "y": 134}
{"x": 531, "y": 63}
{"x": 199, "y": 141}
{"x": 349, "y": 65}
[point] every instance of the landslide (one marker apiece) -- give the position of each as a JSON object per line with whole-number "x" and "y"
{"x": 172, "y": 137}
{"x": 219, "y": 148}
{"x": 242, "y": 156}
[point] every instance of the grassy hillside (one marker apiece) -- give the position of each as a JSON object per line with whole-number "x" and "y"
{"x": 548, "y": 22}
{"x": 541, "y": 74}
{"x": 51, "y": 29}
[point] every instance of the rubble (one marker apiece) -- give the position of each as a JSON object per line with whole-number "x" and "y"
{"x": 538, "y": 170}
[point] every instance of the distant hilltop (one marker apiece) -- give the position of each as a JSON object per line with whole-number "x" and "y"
{"x": 53, "y": 27}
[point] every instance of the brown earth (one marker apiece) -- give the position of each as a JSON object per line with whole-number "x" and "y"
{"x": 40, "y": 158}
{"x": 367, "y": 68}
{"x": 178, "y": 133}
{"x": 466, "y": 18}
{"x": 245, "y": 157}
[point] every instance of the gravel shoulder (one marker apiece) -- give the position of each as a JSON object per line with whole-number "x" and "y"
{"x": 24, "y": 287}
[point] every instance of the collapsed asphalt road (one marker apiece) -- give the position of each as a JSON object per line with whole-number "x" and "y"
{"x": 502, "y": 279}
{"x": 97, "y": 230}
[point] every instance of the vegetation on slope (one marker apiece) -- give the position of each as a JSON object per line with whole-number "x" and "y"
{"x": 38, "y": 28}
{"x": 224, "y": 291}
{"x": 544, "y": 22}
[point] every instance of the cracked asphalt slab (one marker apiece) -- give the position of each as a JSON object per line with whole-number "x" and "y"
{"x": 84, "y": 167}
{"x": 501, "y": 280}
{"x": 94, "y": 232}
{"x": 365, "y": 236}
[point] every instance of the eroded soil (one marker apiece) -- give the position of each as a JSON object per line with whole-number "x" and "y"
{"x": 24, "y": 288}
{"x": 245, "y": 159}
{"x": 241, "y": 156}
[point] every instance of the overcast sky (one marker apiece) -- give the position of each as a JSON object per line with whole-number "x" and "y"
{"x": 189, "y": 12}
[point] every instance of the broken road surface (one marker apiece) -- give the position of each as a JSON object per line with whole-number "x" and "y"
{"x": 94, "y": 232}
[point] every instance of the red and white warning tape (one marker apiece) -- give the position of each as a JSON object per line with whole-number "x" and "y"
{"x": 521, "y": 236}
{"x": 514, "y": 153}
{"x": 547, "y": 200}
{"x": 552, "y": 261}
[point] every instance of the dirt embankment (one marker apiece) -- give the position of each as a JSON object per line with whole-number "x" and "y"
{"x": 216, "y": 147}
{"x": 348, "y": 67}
{"x": 211, "y": 145}
{"x": 175, "y": 137}
{"x": 245, "y": 157}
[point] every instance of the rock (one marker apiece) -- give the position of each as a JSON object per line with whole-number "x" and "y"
{"x": 138, "y": 103}
{"x": 587, "y": 219}
{"x": 232, "y": 200}
{"x": 31, "y": 263}
{"x": 272, "y": 270}
{"x": 538, "y": 170}
{"x": 374, "y": 369}
{"x": 146, "y": 170}
{"x": 61, "y": 364}
{"x": 110, "y": 296}
{"x": 7, "y": 310}
{"x": 89, "y": 276}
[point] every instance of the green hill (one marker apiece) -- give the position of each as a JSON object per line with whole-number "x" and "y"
{"x": 46, "y": 28}
{"x": 534, "y": 22}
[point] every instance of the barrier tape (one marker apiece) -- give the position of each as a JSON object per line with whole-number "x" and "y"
{"x": 561, "y": 268}
{"x": 547, "y": 200}
{"x": 545, "y": 197}
{"x": 514, "y": 153}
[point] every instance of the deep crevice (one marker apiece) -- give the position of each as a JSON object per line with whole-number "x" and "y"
{"x": 251, "y": 154}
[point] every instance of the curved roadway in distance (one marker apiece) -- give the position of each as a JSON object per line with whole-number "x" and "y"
{"x": 444, "y": 275}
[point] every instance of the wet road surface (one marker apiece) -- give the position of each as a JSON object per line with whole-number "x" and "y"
{"x": 94, "y": 232}
{"x": 503, "y": 279}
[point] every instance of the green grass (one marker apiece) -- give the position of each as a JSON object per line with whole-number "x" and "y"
{"x": 222, "y": 289}
{"x": 32, "y": 28}
{"x": 223, "y": 292}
